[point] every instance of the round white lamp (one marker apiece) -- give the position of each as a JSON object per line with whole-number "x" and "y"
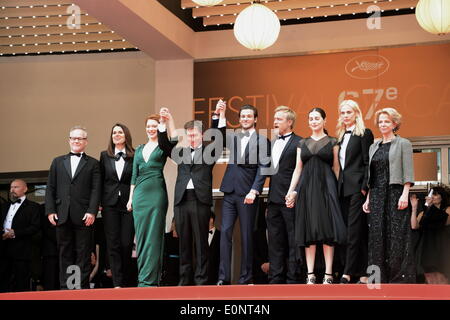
{"x": 207, "y": 3}
{"x": 257, "y": 27}
{"x": 434, "y": 16}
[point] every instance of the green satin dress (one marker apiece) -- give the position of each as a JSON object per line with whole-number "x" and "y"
{"x": 149, "y": 212}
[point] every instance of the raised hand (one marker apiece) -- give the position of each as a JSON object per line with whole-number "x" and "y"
{"x": 164, "y": 115}
{"x": 221, "y": 106}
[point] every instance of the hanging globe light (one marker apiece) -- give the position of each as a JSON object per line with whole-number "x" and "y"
{"x": 434, "y": 16}
{"x": 257, "y": 27}
{"x": 207, "y": 3}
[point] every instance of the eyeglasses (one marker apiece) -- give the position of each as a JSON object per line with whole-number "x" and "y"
{"x": 77, "y": 139}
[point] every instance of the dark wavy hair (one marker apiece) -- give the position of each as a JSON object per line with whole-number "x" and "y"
{"x": 128, "y": 141}
{"x": 444, "y": 192}
{"x": 322, "y": 113}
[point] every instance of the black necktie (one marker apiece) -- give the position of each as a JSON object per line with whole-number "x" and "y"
{"x": 243, "y": 134}
{"x": 211, "y": 232}
{"x": 17, "y": 201}
{"x": 348, "y": 132}
{"x": 285, "y": 136}
{"x": 120, "y": 155}
{"x": 192, "y": 149}
{"x": 75, "y": 154}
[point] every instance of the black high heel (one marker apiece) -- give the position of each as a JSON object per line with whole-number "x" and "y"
{"x": 311, "y": 280}
{"x": 327, "y": 280}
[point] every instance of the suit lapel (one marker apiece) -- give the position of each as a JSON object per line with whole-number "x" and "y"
{"x": 286, "y": 147}
{"x": 251, "y": 142}
{"x": 19, "y": 211}
{"x": 67, "y": 165}
{"x": 81, "y": 164}
{"x": 351, "y": 141}
{"x": 127, "y": 162}
{"x": 112, "y": 162}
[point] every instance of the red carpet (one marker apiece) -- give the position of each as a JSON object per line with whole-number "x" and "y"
{"x": 251, "y": 292}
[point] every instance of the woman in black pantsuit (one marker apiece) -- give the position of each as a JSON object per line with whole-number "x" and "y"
{"x": 354, "y": 142}
{"x": 116, "y": 165}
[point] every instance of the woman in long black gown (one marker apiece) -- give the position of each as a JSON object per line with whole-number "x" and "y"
{"x": 391, "y": 175}
{"x": 434, "y": 227}
{"x": 318, "y": 218}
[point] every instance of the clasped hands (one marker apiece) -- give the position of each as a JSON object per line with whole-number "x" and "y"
{"x": 9, "y": 234}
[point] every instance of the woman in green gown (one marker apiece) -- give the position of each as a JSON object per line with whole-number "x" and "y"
{"x": 148, "y": 201}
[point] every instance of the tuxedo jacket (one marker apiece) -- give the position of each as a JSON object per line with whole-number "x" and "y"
{"x": 111, "y": 185}
{"x": 354, "y": 177}
{"x": 78, "y": 195}
{"x": 280, "y": 180}
{"x": 25, "y": 224}
{"x": 197, "y": 169}
{"x": 246, "y": 171}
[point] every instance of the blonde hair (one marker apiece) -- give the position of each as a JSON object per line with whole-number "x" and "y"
{"x": 290, "y": 114}
{"x": 359, "y": 122}
{"x": 393, "y": 114}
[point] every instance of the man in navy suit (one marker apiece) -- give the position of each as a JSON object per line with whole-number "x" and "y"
{"x": 284, "y": 266}
{"x": 71, "y": 204}
{"x": 242, "y": 183}
{"x": 20, "y": 221}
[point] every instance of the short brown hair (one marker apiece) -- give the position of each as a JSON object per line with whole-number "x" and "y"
{"x": 194, "y": 124}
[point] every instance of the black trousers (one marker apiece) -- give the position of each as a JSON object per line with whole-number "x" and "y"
{"x": 284, "y": 268}
{"x": 15, "y": 274}
{"x": 50, "y": 273}
{"x": 192, "y": 225}
{"x": 355, "y": 252}
{"x": 119, "y": 233}
{"x": 75, "y": 245}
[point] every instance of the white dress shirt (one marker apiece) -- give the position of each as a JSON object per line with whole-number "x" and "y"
{"x": 245, "y": 140}
{"x": 120, "y": 164}
{"x": 11, "y": 213}
{"x": 190, "y": 184}
{"x": 211, "y": 235}
{"x": 278, "y": 148}
{"x": 74, "y": 161}
{"x": 344, "y": 144}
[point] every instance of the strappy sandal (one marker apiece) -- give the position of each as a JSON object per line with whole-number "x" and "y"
{"x": 327, "y": 280}
{"x": 311, "y": 280}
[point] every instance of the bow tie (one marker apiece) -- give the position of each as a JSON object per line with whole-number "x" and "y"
{"x": 348, "y": 132}
{"x": 243, "y": 134}
{"x": 211, "y": 232}
{"x": 192, "y": 149}
{"x": 17, "y": 201}
{"x": 120, "y": 155}
{"x": 75, "y": 154}
{"x": 285, "y": 136}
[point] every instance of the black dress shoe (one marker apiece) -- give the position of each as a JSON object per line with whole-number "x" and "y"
{"x": 222, "y": 283}
{"x": 344, "y": 281}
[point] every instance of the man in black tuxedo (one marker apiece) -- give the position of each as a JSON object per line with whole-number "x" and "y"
{"x": 20, "y": 221}
{"x": 193, "y": 191}
{"x": 284, "y": 266}
{"x": 242, "y": 183}
{"x": 213, "y": 250}
{"x": 71, "y": 203}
